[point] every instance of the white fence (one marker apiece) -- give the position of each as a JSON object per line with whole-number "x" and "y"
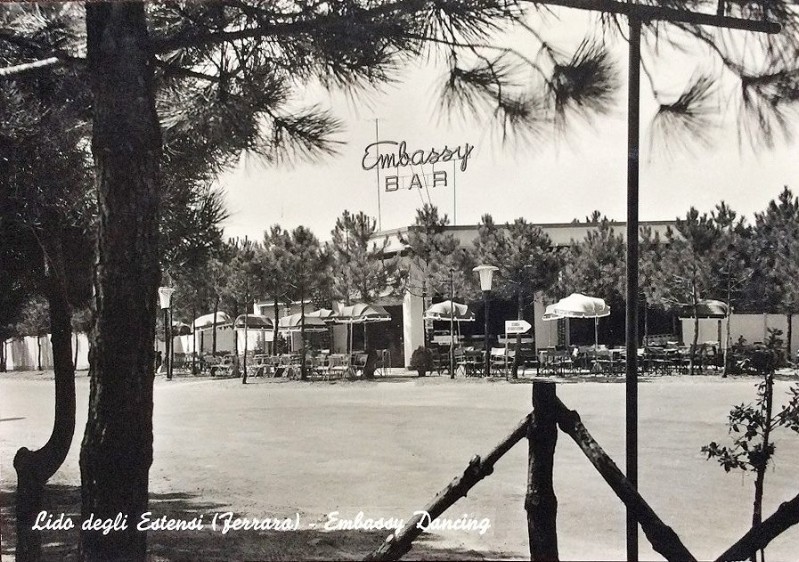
{"x": 753, "y": 327}
{"x": 22, "y": 353}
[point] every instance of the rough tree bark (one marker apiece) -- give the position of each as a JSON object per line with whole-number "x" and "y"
{"x": 38, "y": 352}
{"x": 213, "y": 335}
{"x": 276, "y": 309}
{"x": 789, "y": 336}
{"x": 762, "y": 463}
{"x": 117, "y": 448}
{"x": 34, "y": 468}
{"x": 540, "y": 501}
{"x": 303, "y": 351}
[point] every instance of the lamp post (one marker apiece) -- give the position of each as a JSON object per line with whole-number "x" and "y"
{"x": 451, "y": 324}
{"x": 486, "y": 273}
{"x": 165, "y": 298}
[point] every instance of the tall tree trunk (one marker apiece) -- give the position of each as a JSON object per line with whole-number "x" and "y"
{"x": 244, "y": 373}
{"x": 424, "y": 307}
{"x": 39, "y": 352}
{"x": 34, "y": 468}
{"x": 75, "y": 356}
{"x": 235, "y": 341}
{"x": 728, "y": 339}
{"x": 194, "y": 344}
{"x": 303, "y": 369}
{"x": 692, "y": 354}
{"x": 274, "y": 327}
{"x": 762, "y": 464}
{"x": 213, "y": 335}
{"x": 788, "y": 336}
{"x": 117, "y": 448}
{"x": 519, "y": 316}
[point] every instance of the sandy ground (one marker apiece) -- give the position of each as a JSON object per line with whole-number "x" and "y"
{"x": 275, "y": 449}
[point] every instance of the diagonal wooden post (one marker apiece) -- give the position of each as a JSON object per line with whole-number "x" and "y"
{"x": 759, "y": 536}
{"x": 540, "y": 502}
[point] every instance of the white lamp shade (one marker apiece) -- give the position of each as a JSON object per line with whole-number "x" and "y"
{"x": 486, "y": 273}
{"x": 165, "y": 296}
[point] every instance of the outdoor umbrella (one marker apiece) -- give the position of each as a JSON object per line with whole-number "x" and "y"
{"x": 578, "y": 305}
{"x": 208, "y": 320}
{"x": 180, "y": 329}
{"x": 324, "y": 313}
{"x": 706, "y": 308}
{"x": 254, "y": 322}
{"x": 448, "y": 309}
{"x": 361, "y": 313}
{"x": 291, "y": 323}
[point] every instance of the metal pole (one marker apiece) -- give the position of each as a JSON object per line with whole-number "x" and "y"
{"x": 631, "y": 332}
{"x": 165, "y": 363}
{"x": 424, "y": 322}
{"x": 487, "y": 368}
{"x": 377, "y": 169}
{"x": 169, "y": 346}
{"x": 454, "y": 196}
{"x": 451, "y": 325}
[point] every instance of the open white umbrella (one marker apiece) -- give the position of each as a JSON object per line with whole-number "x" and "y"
{"x": 360, "y": 313}
{"x": 444, "y": 311}
{"x": 450, "y": 311}
{"x": 578, "y": 305}
{"x": 208, "y": 320}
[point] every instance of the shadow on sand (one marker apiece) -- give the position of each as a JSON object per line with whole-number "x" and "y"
{"x": 191, "y": 546}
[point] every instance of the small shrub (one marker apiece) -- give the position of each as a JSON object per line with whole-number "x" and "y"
{"x": 422, "y": 360}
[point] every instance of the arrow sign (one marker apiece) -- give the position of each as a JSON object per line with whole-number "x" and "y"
{"x": 517, "y": 326}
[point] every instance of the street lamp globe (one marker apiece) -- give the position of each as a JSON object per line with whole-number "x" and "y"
{"x": 486, "y": 273}
{"x": 165, "y": 296}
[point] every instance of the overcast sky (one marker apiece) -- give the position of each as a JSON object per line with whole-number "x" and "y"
{"x": 556, "y": 180}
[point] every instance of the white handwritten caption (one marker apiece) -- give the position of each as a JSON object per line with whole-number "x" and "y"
{"x": 227, "y": 521}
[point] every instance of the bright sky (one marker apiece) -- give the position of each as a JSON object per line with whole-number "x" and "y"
{"x": 555, "y": 181}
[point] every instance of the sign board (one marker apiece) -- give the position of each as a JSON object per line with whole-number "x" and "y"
{"x": 517, "y": 326}
{"x": 388, "y": 155}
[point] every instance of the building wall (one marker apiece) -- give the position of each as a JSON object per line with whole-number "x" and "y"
{"x": 562, "y": 234}
{"x": 753, "y": 327}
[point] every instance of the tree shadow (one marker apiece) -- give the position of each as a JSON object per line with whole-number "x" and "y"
{"x": 210, "y": 545}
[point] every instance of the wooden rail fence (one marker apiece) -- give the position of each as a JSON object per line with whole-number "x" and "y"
{"x": 541, "y": 504}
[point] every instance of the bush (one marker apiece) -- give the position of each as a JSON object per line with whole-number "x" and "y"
{"x": 422, "y": 360}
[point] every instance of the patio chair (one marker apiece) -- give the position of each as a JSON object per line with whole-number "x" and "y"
{"x": 546, "y": 361}
{"x": 564, "y": 361}
{"x": 499, "y": 361}
{"x": 528, "y": 359}
{"x": 358, "y": 363}
{"x": 460, "y": 361}
{"x": 440, "y": 361}
{"x": 338, "y": 365}
{"x": 474, "y": 362}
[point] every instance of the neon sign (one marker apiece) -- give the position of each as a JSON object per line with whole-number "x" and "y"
{"x": 386, "y": 155}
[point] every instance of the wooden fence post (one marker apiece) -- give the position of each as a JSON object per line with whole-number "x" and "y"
{"x": 540, "y": 502}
